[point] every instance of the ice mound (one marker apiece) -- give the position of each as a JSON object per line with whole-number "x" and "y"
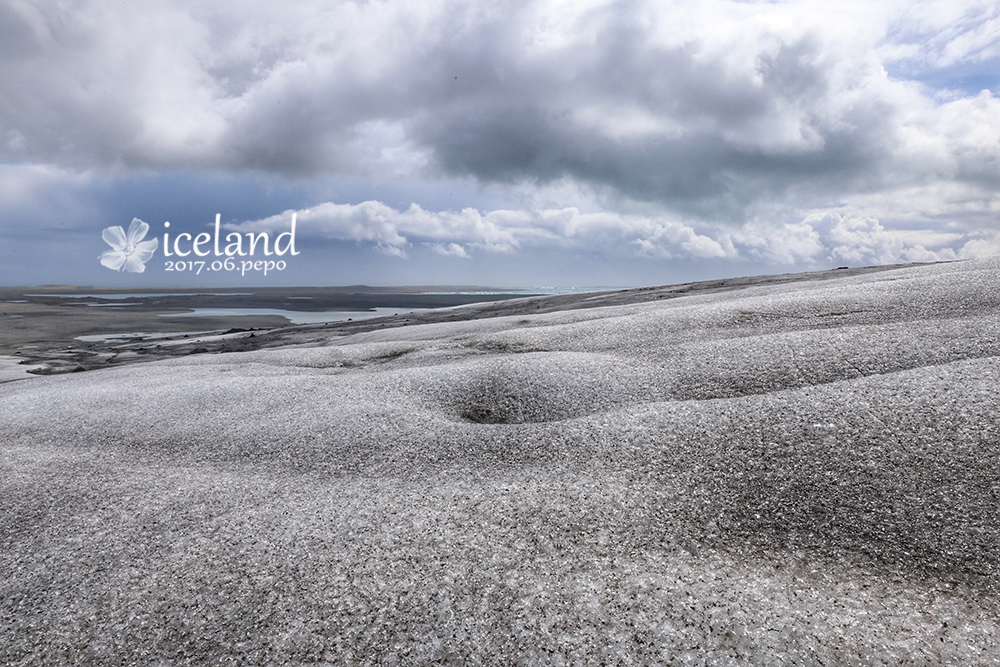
{"x": 797, "y": 474}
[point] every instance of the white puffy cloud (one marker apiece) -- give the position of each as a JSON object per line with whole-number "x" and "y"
{"x": 819, "y": 238}
{"x": 789, "y": 243}
{"x": 390, "y": 230}
{"x": 451, "y": 249}
{"x": 459, "y": 233}
{"x": 988, "y": 246}
{"x": 863, "y": 240}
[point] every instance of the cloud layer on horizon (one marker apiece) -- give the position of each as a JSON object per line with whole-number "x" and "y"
{"x": 829, "y": 237}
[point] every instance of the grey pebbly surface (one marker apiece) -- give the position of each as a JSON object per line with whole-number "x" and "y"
{"x": 805, "y": 473}
{"x": 47, "y": 326}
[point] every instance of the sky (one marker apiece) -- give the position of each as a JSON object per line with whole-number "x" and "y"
{"x": 551, "y": 143}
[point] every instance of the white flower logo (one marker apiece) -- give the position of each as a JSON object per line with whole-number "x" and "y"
{"x": 128, "y": 253}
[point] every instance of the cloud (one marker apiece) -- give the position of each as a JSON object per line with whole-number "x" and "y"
{"x": 704, "y": 108}
{"x": 462, "y": 233}
{"x": 989, "y": 246}
{"x": 389, "y": 229}
{"x": 818, "y": 239}
{"x": 452, "y": 249}
{"x": 863, "y": 240}
{"x": 944, "y": 34}
{"x": 786, "y": 244}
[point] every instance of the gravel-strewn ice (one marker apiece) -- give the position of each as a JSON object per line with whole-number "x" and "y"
{"x": 796, "y": 474}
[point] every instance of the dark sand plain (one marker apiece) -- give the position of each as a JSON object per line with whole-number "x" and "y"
{"x": 50, "y": 318}
{"x": 788, "y": 470}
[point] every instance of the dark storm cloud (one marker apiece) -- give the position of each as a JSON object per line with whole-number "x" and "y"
{"x": 694, "y": 120}
{"x": 517, "y": 129}
{"x": 480, "y": 103}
